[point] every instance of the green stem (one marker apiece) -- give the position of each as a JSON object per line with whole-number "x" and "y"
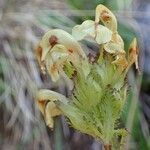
{"x": 58, "y": 144}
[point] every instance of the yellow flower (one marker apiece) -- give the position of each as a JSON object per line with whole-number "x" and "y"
{"x": 55, "y": 49}
{"x": 87, "y": 30}
{"x": 107, "y": 17}
{"x": 46, "y": 101}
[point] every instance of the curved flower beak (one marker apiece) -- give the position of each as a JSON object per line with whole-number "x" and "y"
{"x": 106, "y": 16}
{"x": 46, "y": 101}
{"x": 58, "y": 36}
{"x": 56, "y": 48}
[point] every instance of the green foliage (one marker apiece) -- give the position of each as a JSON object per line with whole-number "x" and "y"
{"x": 137, "y": 133}
{"x": 88, "y": 4}
{"x": 69, "y": 69}
{"x": 97, "y": 102}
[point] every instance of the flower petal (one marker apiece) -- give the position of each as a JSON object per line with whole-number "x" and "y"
{"x": 46, "y": 101}
{"x": 51, "y": 110}
{"x": 117, "y": 39}
{"x": 55, "y": 49}
{"x": 58, "y": 36}
{"x": 113, "y": 48}
{"x": 87, "y": 30}
{"x": 103, "y": 35}
{"x": 121, "y": 61}
{"x": 106, "y": 16}
{"x": 55, "y": 60}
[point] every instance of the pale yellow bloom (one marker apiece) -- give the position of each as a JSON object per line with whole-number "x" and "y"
{"x": 55, "y": 49}
{"x": 103, "y": 14}
{"x": 87, "y": 30}
{"x": 46, "y": 101}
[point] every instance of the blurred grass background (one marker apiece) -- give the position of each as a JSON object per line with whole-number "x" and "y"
{"x": 22, "y": 24}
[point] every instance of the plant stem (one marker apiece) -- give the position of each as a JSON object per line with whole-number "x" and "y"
{"x": 58, "y": 134}
{"x": 107, "y": 147}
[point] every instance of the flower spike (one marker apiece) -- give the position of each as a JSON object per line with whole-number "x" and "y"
{"x": 100, "y": 88}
